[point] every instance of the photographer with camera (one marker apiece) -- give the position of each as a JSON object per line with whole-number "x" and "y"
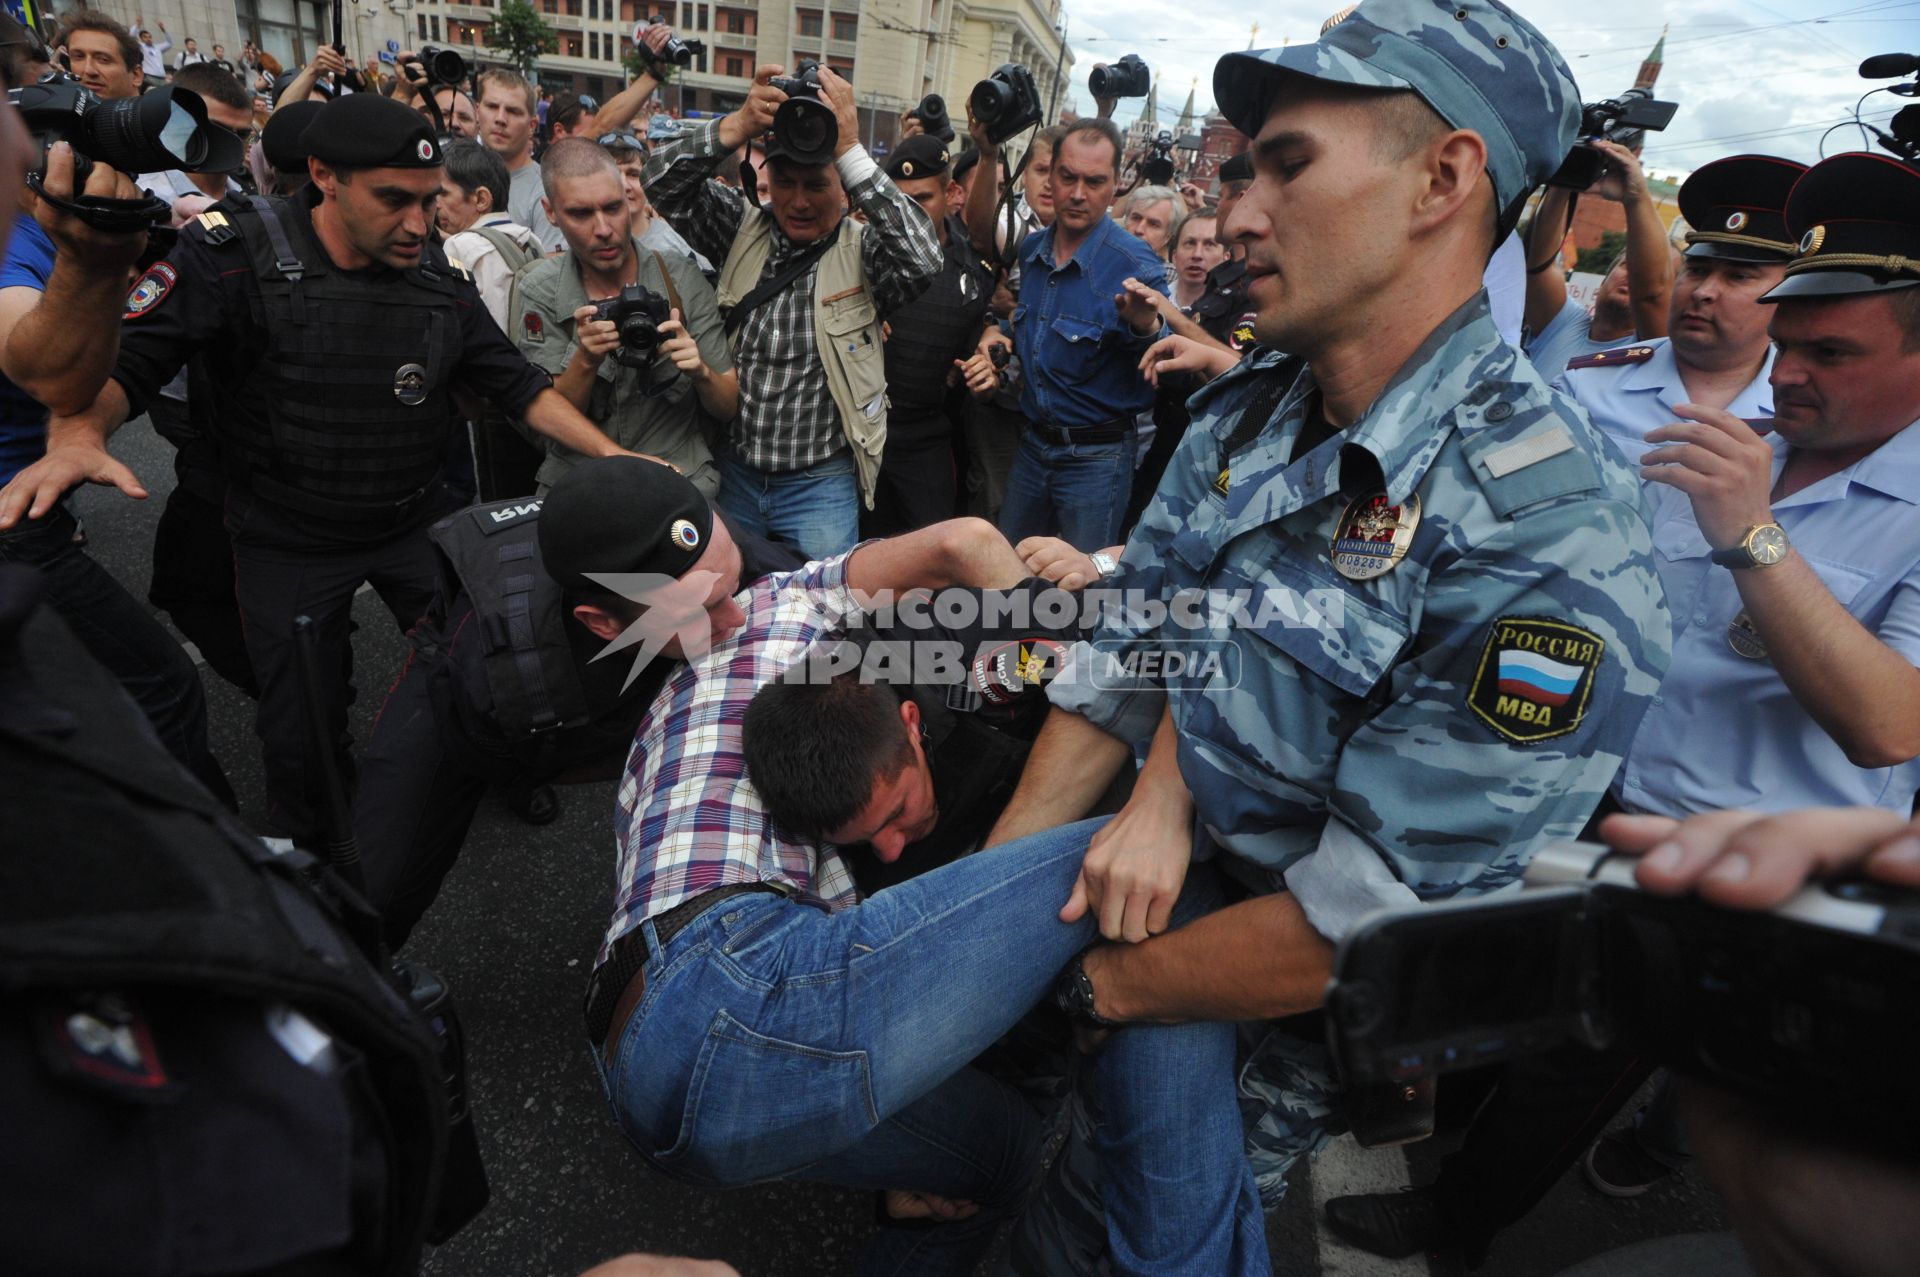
{"x": 334, "y": 416}
{"x": 804, "y": 289}
{"x": 632, "y": 337}
{"x": 1633, "y": 297}
{"x": 1392, "y": 156}
{"x": 429, "y": 82}
{"x": 62, "y": 291}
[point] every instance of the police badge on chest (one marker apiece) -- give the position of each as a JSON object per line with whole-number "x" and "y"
{"x": 410, "y": 384}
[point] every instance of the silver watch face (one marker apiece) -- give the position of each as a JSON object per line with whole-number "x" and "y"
{"x": 1104, "y": 563}
{"x": 1767, "y": 545}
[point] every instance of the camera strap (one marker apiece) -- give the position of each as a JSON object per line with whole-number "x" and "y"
{"x": 666, "y": 277}
{"x": 115, "y": 217}
{"x": 767, "y": 289}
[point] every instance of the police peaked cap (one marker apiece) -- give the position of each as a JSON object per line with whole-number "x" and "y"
{"x": 622, "y": 514}
{"x": 365, "y": 130}
{"x": 1237, "y": 168}
{"x": 1856, "y": 222}
{"x": 1737, "y": 208}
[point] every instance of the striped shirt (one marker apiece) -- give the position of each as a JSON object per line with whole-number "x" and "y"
{"x": 787, "y": 419}
{"x": 686, "y": 819}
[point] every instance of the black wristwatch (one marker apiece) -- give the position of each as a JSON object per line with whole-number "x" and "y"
{"x": 1073, "y": 994}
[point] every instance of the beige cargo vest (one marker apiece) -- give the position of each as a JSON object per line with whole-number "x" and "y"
{"x": 848, "y": 327}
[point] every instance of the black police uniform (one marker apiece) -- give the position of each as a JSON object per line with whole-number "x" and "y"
{"x": 165, "y": 1108}
{"x": 918, "y": 483}
{"x": 330, "y": 392}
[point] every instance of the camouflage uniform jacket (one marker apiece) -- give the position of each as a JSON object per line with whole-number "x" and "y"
{"x": 1409, "y": 737}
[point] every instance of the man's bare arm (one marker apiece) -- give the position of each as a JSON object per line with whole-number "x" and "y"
{"x": 1546, "y": 282}
{"x": 1071, "y": 765}
{"x": 966, "y": 552}
{"x": 60, "y": 345}
{"x": 76, "y": 454}
{"x": 1255, "y": 960}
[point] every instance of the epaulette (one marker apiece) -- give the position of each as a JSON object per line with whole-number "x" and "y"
{"x": 1611, "y": 358}
{"x": 215, "y": 228}
{"x": 459, "y": 268}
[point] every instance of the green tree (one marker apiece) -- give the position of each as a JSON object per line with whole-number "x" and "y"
{"x": 522, "y": 35}
{"x": 1598, "y": 260}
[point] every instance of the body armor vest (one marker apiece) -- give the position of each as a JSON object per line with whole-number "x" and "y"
{"x": 931, "y": 330}
{"x": 1224, "y": 302}
{"x": 354, "y": 380}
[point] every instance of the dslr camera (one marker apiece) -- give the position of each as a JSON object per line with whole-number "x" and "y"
{"x": 441, "y": 66}
{"x": 163, "y": 129}
{"x": 638, "y": 313}
{"x": 1156, "y": 167}
{"x": 1130, "y": 77}
{"x": 676, "y": 52}
{"x": 932, "y": 114}
{"x": 1006, "y": 102}
{"x": 1625, "y": 120}
{"x": 806, "y": 126}
{"x": 1807, "y": 1006}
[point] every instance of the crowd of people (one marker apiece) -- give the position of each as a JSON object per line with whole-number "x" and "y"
{"x": 1040, "y": 605}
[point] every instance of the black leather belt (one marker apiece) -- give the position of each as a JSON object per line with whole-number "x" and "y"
{"x": 1115, "y": 431}
{"x": 609, "y": 985}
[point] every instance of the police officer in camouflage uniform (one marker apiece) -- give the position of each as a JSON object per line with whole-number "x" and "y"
{"x": 332, "y": 332}
{"x": 1433, "y": 621}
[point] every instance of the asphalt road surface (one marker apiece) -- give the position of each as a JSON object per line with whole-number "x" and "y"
{"x": 514, "y": 931}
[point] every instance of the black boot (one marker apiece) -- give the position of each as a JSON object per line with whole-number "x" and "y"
{"x": 1394, "y": 1225}
{"x": 536, "y": 804}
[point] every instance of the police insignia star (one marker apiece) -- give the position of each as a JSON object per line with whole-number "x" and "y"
{"x": 149, "y": 290}
{"x": 1535, "y": 677}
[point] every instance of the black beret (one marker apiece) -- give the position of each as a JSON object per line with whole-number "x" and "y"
{"x": 365, "y": 130}
{"x": 282, "y": 140}
{"x": 921, "y": 155}
{"x": 963, "y": 164}
{"x": 622, "y": 514}
{"x": 1856, "y": 222}
{"x": 1238, "y": 168}
{"x": 1737, "y": 208}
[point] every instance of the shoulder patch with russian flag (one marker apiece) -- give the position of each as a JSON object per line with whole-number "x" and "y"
{"x": 1535, "y": 677}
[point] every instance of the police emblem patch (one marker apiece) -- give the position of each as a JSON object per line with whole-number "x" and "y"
{"x": 1812, "y": 240}
{"x": 1373, "y": 535}
{"x": 424, "y": 149}
{"x": 149, "y": 290}
{"x": 1736, "y": 220}
{"x": 536, "y": 330}
{"x": 410, "y": 384}
{"x": 684, "y": 534}
{"x": 1000, "y": 674}
{"x": 1535, "y": 677}
{"x": 1242, "y": 335}
{"x": 1743, "y": 636}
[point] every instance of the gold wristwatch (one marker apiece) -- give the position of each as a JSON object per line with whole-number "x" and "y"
{"x": 1764, "y": 545}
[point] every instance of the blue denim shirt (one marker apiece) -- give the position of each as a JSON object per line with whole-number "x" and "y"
{"x": 1080, "y": 358}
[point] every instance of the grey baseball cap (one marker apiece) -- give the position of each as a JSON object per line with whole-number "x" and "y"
{"x": 1477, "y": 63}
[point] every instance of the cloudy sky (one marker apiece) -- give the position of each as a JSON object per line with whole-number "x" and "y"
{"x": 1765, "y": 77}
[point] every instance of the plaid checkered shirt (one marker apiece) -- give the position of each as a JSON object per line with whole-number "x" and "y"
{"x": 788, "y": 420}
{"x": 686, "y": 819}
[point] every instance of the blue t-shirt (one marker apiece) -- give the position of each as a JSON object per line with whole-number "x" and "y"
{"x": 23, "y": 420}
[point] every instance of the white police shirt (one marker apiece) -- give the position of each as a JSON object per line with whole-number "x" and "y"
{"x": 1636, "y": 386}
{"x": 1724, "y": 731}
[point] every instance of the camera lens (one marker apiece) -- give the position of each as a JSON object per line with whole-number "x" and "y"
{"x": 990, "y": 100}
{"x": 807, "y": 130}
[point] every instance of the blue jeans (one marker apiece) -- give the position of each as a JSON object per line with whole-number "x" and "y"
{"x": 1074, "y": 491}
{"x": 815, "y": 510}
{"x": 120, "y": 633}
{"x": 778, "y": 1041}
